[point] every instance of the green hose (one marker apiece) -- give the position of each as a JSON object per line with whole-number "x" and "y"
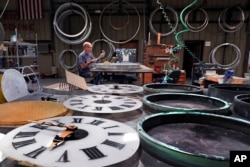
{"x": 180, "y": 44}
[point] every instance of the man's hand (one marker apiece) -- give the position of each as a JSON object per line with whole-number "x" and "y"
{"x": 101, "y": 55}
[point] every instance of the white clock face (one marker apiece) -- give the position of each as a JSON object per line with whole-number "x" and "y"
{"x": 102, "y": 104}
{"x": 120, "y": 89}
{"x": 96, "y": 142}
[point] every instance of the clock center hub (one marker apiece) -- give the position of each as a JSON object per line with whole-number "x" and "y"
{"x": 79, "y": 134}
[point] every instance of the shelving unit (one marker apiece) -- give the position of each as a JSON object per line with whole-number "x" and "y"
{"x": 16, "y": 51}
{"x": 13, "y": 54}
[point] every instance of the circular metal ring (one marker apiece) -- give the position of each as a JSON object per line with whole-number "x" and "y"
{"x": 227, "y": 66}
{"x": 79, "y": 40}
{"x": 3, "y": 10}
{"x": 119, "y": 28}
{"x": 83, "y": 34}
{"x": 175, "y": 17}
{"x": 227, "y": 28}
{"x": 60, "y": 24}
{"x": 111, "y": 46}
{"x": 61, "y": 60}
{"x": 67, "y": 13}
{"x": 200, "y": 28}
{"x": 241, "y": 22}
{"x": 138, "y": 28}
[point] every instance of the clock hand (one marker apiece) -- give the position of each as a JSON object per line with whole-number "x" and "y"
{"x": 68, "y": 126}
{"x": 60, "y": 138}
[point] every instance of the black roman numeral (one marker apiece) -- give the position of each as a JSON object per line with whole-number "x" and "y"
{"x": 113, "y": 144}
{"x": 25, "y": 134}
{"x": 128, "y": 106}
{"x": 77, "y": 120}
{"x": 64, "y": 157}
{"x": 108, "y": 127}
{"x": 39, "y": 126}
{"x": 93, "y": 153}
{"x": 115, "y": 108}
{"x": 98, "y": 108}
{"x": 118, "y": 98}
{"x": 96, "y": 122}
{"x": 75, "y": 100}
{"x": 19, "y": 144}
{"x": 35, "y": 153}
{"x": 115, "y": 134}
{"x": 83, "y": 106}
{"x": 75, "y": 104}
{"x": 129, "y": 102}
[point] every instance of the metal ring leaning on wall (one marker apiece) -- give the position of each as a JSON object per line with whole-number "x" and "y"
{"x": 111, "y": 46}
{"x": 100, "y": 22}
{"x": 84, "y": 36}
{"x": 62, "y": 12}
{"x": 227, "y": 66}
{"x": 119, "y": 28}
{"x": 226, "y": 27}
{"x": 172, "y": 28}
{"x": 200, "y": 28}
{"x": 61, "y": 60}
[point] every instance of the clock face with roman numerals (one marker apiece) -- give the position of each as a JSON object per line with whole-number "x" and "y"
{"x": 120, "y": 89}
{"x": 96, "y": 142}
{"x": 102, "y": 103}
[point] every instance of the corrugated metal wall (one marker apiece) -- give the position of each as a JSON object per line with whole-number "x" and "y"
{"x": 44, "y": 28}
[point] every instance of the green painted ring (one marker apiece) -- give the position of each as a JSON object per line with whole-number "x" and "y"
{"x": 214, "y": 105}
{"x": 174, "y": 155}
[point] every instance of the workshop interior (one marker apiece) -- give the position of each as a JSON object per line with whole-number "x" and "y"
{"x": 140, "y": 83}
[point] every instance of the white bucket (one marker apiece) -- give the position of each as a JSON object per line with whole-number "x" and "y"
{"x": 13, "y": 38}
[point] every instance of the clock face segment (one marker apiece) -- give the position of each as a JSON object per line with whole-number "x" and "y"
{"x": 96, "y": 142}
{"x": 115, "y": 89}
{"x": 102, "y": 104}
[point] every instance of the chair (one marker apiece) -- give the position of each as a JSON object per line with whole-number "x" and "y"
{"x": 174, "y": 76}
